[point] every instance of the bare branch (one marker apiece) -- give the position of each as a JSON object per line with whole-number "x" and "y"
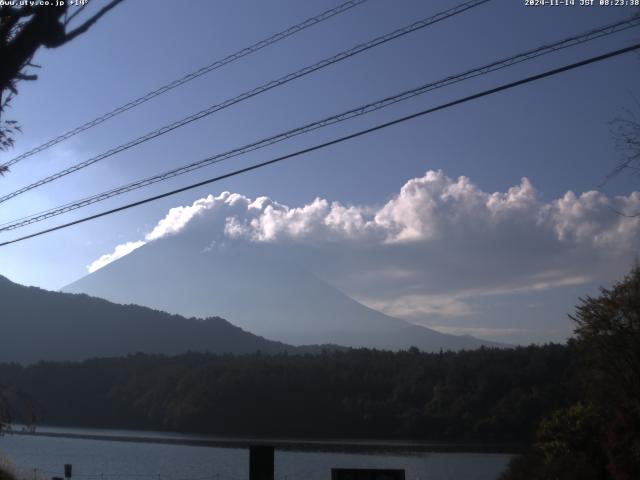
{"x": 89, "y": 23}
{"x": 23, "y": 30}
{"x": 625, "y": 131}
{"x": 74, "y": 14}
{"x": 24, "y": 76}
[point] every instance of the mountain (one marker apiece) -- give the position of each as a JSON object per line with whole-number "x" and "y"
{"x": 259, "y": 291}
{"x": 37, "y": 324}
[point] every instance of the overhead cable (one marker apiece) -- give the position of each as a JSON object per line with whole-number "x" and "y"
{"x": 360, "y": 133}
{"x": 190, "y": 76}
{"x": 355, "y": 112}
{"x": 251, "y": 93}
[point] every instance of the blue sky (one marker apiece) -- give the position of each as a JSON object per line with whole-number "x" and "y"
{"x": 553, "y": 132}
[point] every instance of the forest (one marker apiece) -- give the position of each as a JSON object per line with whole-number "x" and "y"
{"x": 486, "y": 395}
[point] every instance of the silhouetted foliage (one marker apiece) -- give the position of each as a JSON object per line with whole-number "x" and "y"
{"x": 599, "y": 438}
{"x": 5, "y": 420}
{"x": 5, "y": 411}
{"x": 486, "y": 395}
{"x": 23, "y": 30}
{"x": 5, "y": 474}
{"x": 570, "y": 443}
{"x": 608, "y": 334}
{"x": 622, "y": 444}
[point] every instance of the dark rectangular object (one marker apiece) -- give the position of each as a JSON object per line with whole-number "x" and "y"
{"x": 261, "y": 464}
{"x": 366, "y": 474}
{"x": 67, "y": 470}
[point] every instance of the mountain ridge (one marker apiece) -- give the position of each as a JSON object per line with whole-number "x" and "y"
{"x": 264, "y": 294}
{"x": 41, "y": 325}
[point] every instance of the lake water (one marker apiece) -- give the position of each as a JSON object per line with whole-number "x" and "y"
{"x": 41, "y": 458}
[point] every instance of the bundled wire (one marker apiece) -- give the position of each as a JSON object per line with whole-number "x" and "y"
{"x": 357, "y": 134}
{"x": 343, "y": 116}
{"x": 252, "y": 93}
{"x": 190, "y": 76}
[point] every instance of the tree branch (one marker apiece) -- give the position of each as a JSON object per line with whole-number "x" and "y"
{"x": 74, "y": 14}
{"x": 89, "y": 23}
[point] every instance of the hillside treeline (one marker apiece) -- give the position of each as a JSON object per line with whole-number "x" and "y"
{"x": 39, "y": 324}
{"x": 598, "y": 437}
{"x": 486, "y": 395}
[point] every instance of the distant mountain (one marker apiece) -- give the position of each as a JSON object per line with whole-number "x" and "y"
{"x": 258, "y": 291}
{"x": 37, "y": 324}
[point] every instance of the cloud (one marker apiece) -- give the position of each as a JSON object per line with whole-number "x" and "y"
{"x": 432, "y": 249}
{"x": 176, "y": 219}
{"x": 417, "y": 306}
{"x": 119, "y": 252}
{"x": 479, "y": 331}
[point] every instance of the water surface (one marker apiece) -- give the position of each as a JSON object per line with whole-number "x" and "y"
{"x": 41, "y": 458}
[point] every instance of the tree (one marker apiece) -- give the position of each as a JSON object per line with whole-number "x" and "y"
{"x": 608, "y": 333}
{"x": 5, "y": 473}
{"x": 23, "y": 30}
{"x": 568, "y": 445}
{"x": 5, "y": 412}
{"x": 570, "y": 441}
{"x": 599, "y": 437}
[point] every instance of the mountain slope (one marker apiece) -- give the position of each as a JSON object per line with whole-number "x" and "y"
{"x": 257, "y": 291}
{"x": 37, "y": 324}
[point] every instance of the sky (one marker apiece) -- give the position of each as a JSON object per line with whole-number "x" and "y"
{"x": 490, "y": 218}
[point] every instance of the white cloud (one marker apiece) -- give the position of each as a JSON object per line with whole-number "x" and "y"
{"x": 594, "y": 218}
{"x": 174, "y": 222}
{"x": 178, "y": 217}
{"x": 431, "y": 249}
{"x": 119, "y": 252}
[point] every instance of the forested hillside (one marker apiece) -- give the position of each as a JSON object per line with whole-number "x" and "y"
{"x": 484, "y": 395}
{"x": 37, "y": 324}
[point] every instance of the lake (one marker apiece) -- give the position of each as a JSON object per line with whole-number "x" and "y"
{"x": 40, "y": 458}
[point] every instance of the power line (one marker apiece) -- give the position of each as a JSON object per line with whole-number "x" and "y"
{"x": 360, "y": 133}
{"x": 251, "y": 93}
{"x": 191, "y": 76}
{"x": 362, "y": 110}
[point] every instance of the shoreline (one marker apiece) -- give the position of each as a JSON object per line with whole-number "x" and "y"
{"x": 333, "y": 446}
